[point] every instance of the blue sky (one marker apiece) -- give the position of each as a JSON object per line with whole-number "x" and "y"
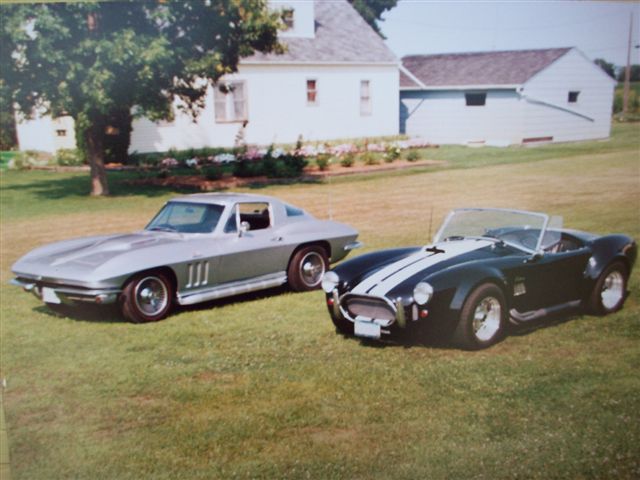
{"x": 599, "y": 29}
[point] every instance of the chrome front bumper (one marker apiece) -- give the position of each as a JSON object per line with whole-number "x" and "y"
{"x": 69, "y": 295}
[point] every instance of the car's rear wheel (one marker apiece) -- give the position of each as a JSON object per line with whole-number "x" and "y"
{"x": 307, "y": 268}
{"x": 147, "y": 297}
{"x": 609, "y": 292}
{"x": 482, "y": 319}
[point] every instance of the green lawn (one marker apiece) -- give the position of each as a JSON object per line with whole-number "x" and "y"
{"x": 262, "y": 387}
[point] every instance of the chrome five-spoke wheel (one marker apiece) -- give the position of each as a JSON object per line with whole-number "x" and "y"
{"x": 306, "y": 268}
{"x": 486, "y": 318}
{"x": 151, "y": 295}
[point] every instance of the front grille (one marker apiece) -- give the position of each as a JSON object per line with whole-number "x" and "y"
{"x": 368, "y": 307}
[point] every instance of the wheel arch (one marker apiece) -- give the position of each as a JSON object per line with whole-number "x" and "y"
{"x": 472, "y": 280}
{"x": 168, "y": 271}
{"x": 326, "y": 246}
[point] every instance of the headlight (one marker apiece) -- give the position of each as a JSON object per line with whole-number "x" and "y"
{"x": 422, "y": 293}
{"x": 329, "y": 281}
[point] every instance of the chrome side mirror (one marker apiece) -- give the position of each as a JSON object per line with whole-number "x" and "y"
{"x": 244, "y": 228}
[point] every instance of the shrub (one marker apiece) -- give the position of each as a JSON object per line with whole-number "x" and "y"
{"x": 348, "y": 160}
{"x": 391, "y": 153}
{"x": 323, "y": 160}
{"x": 369, "y": 158}
{"x": 212, "y": 173}
{"x": 29, "y": 159}
{"x": 248, "y": 168}
{"x": 67, "y": 157}
{"x": 413, "y": 156}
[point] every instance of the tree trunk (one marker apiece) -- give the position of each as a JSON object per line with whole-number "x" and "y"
{"x": 94, "y": 142}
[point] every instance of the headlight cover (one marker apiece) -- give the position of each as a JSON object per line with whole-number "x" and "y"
{"x": 330, "y": 281}
{"x": 422, "y": 293}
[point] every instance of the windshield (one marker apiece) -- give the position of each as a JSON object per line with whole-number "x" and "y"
{"x": 185, "y": 217}
{"x": 524, "y": 230}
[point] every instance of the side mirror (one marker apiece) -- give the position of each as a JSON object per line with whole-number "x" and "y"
{"x": 535, "y": 257}
{"x": 244, "y": 228}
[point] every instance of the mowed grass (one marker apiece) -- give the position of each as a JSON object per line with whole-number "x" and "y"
{"x": 262, "y": 386}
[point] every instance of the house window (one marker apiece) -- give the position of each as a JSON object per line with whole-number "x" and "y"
{"x": 365, "y": 97}
{"x": 475, "y": 99}
{"x": 61, "y": 133}
{"x": 287, "y": 18}
{"x": 573, "y": 97}
{"x": 231, "y": 102}
{"x": 312, "y": 92}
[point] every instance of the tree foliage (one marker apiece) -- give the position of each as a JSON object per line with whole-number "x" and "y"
{"x": 107, "y": 62}
{"x": 372, "y": 10}
{"x": 609, "y": 68}
{"x": 634, "y": 74}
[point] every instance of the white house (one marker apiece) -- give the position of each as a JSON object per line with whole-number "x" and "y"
{"x": 505, "y": 98}
{"x": 337, "y": 79}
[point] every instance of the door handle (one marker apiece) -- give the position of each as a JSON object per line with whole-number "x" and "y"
{"x": 276, "y": 239}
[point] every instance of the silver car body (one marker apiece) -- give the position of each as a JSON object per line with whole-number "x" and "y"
{"x": 206, "y": 266}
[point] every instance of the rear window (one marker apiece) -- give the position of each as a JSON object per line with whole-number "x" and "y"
{"x": 293, "y": 211}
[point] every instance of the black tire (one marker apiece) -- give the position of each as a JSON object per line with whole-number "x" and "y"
{"x": 147, "y": 297}
{"x": 474, "y": 333}
{"x": 306, "y": 268}
{"x": 609, "y": 292}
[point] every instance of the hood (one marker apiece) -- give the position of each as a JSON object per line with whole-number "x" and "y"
{"x": 413, "y": 268}
{"x": 70, "y": 258}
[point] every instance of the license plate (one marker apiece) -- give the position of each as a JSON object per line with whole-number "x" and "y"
{"x": 367, "y": 329}
{"x": 49, "y": 296}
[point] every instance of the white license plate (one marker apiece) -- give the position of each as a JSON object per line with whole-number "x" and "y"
{"x": 366, "y": 329}
{"x": 49, "y": 296}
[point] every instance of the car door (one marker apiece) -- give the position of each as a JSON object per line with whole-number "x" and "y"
{"x": 254, "y": 252}
{"x": 548, "y": 280}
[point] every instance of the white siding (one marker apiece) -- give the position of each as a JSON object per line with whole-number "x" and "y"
{"x": 44, "y": 134}
{"x": 443, "y": 117}
{"x": 278, "y": 111}
{"x": 572, "y": 72}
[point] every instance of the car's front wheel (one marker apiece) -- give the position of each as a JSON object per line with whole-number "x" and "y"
{"x": 307, "y": 268}
{"x": 610, "y": 290}
{"x": 147, "y": 297}
{"x": 482, "y": 319}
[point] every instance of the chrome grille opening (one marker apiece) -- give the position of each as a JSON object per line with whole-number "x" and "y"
{"x": 369, "y": 307}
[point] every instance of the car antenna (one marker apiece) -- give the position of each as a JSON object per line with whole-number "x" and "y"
{"x": 430, "y": 224}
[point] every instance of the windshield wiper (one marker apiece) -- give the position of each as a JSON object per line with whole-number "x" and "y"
{"x": 164, "y": 228}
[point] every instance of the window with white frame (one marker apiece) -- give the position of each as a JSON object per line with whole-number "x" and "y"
{"x": 573, "y": 96}
{"x": 231, "y": 102}
{"x": 365, "y": 97}
{"x": 312, "y": 91}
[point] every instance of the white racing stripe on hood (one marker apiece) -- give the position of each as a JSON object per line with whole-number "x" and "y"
{"x": 381, "y": 282}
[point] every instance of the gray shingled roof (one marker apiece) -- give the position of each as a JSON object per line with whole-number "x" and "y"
{"x": 341, "y": 36}
{"x": 482, "y": 68}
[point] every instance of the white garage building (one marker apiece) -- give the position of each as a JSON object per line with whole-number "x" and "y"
{"x": 505, "y": 98}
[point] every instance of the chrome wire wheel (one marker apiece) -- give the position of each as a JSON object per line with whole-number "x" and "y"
{"x": 486, "y": 318}
{"x": 151, "y": 296}
{"x": 312, "y": 268}
{"x": 612, "y": 290}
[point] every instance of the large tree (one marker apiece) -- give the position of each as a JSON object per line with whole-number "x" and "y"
{"x": 101, "y": 63}
{"x": 609, "y": 68}
{"x": 372, "y": 10}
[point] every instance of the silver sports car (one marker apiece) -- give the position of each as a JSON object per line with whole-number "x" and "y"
{"x": 197, "y": 248}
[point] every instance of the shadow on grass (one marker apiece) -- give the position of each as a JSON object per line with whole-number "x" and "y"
{"x": 83, "y": 313}
{"x": 121, "y": 184}
{"x": 441, "y": 339}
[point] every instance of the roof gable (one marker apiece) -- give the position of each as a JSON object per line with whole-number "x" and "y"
{"x": 482, "y": 68}
{"x": 341, "y": 36}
